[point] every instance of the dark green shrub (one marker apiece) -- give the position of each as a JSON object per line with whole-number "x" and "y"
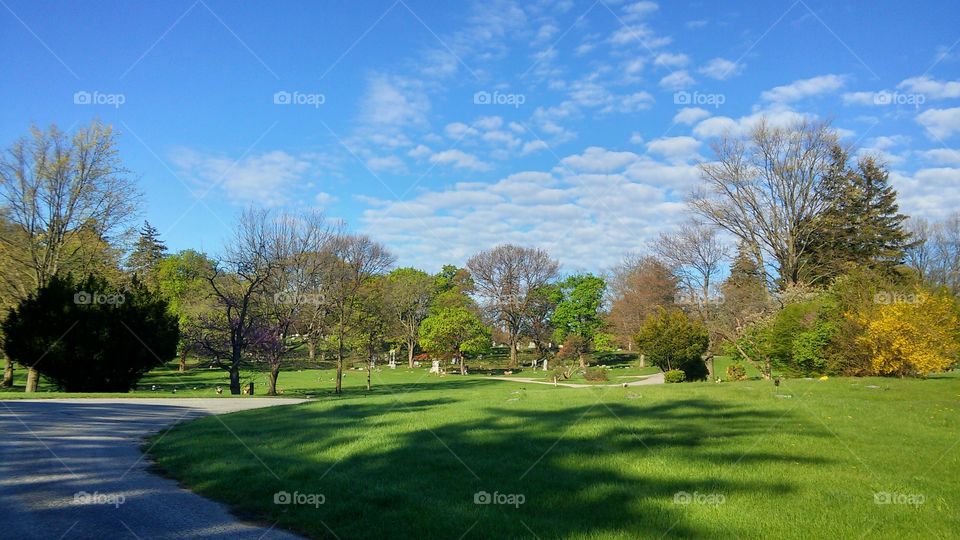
{"x": 672, "y": 340}
{"x": 674, "y": 376}
{"x": 598, "y": 373}
{"x": 736, "y": 372}
{"x": 90, "y": 336}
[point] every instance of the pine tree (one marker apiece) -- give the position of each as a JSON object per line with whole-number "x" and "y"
{"x": 861, "y": 224}
{"x": 147, "y": 254}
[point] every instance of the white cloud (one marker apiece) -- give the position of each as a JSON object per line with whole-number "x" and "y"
{"x": 943, "y": 156}
{"x": 269, "y": 179}
{"x": 940, "y": 123}
{"x": 636, "y": 138}
{"x": 489, "y": 122}
{"x": 675, "y": 148}
{"x": 391, "y": 164}
{"x": 677, "y": 80}
{"x": 804, "y": 88}
{"x": 459, "y": 159}
{"x": 721, "y": 69}
{"x": 599, "y": 160}
{"x": 930, "y": 88}
{"x": 421, "y": 151}
{"x": 671, "y": 60}
{"x": 720, "y": 125}
{"x": 533, "y": 147}
{"x": 690, "y": 115}
{"x": 639, "y": 10}
{"x": 394, "y": 101}
{"x": 458, "y": 130}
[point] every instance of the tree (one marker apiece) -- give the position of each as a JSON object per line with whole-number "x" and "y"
{"x": 766, "y": 190}
{"x": 860, "y": 224}
{"x": 672, "y": 340}
{"x": 147, "y": 254}
{"x": 746, "y": 303}
{"x": 696, "y": 255}
{"x": 90, "y": 336}
{"x": 181, "y": 281}
{"x": 639, "y": 286}
{"x": 578, "y": 311}
{"x": 539, "y": 326}
{"x": 408, "y": 294}
{"x": 60, "y": 193}
{"x": 915, "y": 337}
{"x": 373, "y": 320}
{"x": 455, "y": 332}
{"x": 356, "y": 260}
{"x": 504, "y": 277}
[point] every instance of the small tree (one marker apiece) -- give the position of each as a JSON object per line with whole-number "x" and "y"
{"x": 90, "y": 336}
{"x": 454, "y": 332}
{"x": 671, "y": 340}
{"x": 578, "y": 311}
{"x": 147, "y": 254}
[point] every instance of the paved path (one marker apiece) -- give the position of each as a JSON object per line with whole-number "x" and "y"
{"x": 652, "y": 379}
{"x": 51, "y": 450}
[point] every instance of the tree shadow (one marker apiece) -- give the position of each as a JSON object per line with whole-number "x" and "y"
{"x": 581, "y": 470}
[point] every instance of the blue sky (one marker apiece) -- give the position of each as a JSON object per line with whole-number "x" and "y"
{"x": 445, "y": 128}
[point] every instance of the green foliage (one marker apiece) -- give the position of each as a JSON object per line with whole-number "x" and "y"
{"x": 596, "y": 373}
{"x": 672, "y": 340}
{"x": 674, "y": 376}
{"x": 147, "y": 254}
{"x": 736, "y": 372}
{"x": 89, "y": 336}
{"x": 604, "y": 342}
{"x": 454, "y": 331}
{"x": 578, "y": 310}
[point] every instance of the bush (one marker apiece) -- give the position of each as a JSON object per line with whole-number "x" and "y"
{"x": 596, "y": 374}
{"x": 674, "y": 376}
{"x": 671, "y": 340}
{"x": 89, "y": 336}
{"x": 736, "y": 372}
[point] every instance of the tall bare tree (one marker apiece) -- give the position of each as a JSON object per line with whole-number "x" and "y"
{"x": 765, "y": 189}
{"x": 696, "y": 255}
{"x": 60, "y": 193}
{"x": 504, "y": 278}
{"x": 639, "y": 286}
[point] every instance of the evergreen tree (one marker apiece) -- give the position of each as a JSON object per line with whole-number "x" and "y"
{"x": 861, "y": 224}
{"x": 147, "y": 254}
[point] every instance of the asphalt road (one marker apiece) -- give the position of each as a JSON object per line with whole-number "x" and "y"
{"x": 73, "y": 469}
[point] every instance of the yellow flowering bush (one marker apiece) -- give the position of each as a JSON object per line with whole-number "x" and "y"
{"x": 916, "y": 336}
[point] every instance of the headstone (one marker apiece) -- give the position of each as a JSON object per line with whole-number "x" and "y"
{"x": 436, "y": 367}
{"x": 393, "y": 362}
{"x": 544, "y": 364}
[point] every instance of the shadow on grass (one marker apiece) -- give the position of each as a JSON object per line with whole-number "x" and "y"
{"x": 582, "y": 470}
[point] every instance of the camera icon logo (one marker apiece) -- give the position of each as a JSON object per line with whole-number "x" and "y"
{"x": 883, "y": 98}
{"x": 482, "y": 497}
{"x": 282, "y": 98}
{"x": 282, "y": 497}
{"x": 82, "y": 298}
{"x": 883, "y": 298}
{"x": 682, "y": 497}
{"x": 82, "y": 98}
{"x": 682, "y": 98}
{"x": 481, "y": 98}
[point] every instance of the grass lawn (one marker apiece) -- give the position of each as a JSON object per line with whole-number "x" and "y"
{"x": 809, "y": 459}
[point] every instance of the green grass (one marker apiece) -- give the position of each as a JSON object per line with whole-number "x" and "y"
{"x": 803, "y": 460}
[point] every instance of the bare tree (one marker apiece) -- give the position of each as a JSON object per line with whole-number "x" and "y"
{"x": 357, "y": 259}
{"x": 59, "y": 193}
{"x": 920, "y": 254}
{"x": 765, "y": 189}
{"x": 696, "y": 255}
{"x": 637, "y": 287}
{"x": 505, "y": 277}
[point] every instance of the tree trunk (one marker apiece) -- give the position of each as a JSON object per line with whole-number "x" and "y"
{"x": 33, "y": 379}
{"x": 235, "y": 377}
{"x": 274, "y": 375}
{"x": 312, "y": 349}
{"x": 463, "y": 367}
{"x": 369, "y": 370}
{"x": 339, "y": 385}
{"x": 410, "y": 345}
{"x": 183, "y": 360}
{"x": 583, "y": 360}
{"x": 7, "y": 374}
{"x": 513, "y": 352}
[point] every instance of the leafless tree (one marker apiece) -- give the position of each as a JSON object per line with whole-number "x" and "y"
{"x": 920, "y": 254}
{"x": 59, "y": 193}
{"x": 697, "y": 255}
{"x": 765, "y": 189}
{"x": 637, "y": 287}
{"x": 504, "y": 278}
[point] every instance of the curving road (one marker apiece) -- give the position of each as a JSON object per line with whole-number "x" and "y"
{"x": 73, "y": 469}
